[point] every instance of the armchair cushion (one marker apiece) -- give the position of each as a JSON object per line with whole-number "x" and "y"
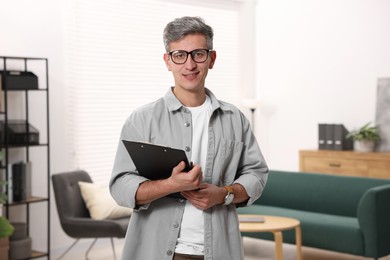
{"x": 99, "y": 202}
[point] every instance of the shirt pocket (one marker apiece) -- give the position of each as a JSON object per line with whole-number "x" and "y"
{"x": 231, "y": 153}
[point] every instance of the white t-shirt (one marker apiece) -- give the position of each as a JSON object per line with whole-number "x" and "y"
{"x": 191, "y": 237}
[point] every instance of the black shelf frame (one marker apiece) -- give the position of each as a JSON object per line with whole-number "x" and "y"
{"x": 5, "y": 146}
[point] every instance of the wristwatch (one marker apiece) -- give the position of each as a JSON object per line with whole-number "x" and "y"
{"x": 230, "y": 195}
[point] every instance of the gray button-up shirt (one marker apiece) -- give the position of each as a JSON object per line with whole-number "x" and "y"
{"x": 233, "y": 156}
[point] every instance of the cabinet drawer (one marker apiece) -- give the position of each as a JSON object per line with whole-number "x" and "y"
{"x": 334, "y": 165}
{"x": 376, "y": 165}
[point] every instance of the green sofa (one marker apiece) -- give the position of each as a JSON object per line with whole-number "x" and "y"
{"x": 339, "y": 213}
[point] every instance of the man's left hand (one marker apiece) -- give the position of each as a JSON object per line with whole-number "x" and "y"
{"x": 207, "y": 196}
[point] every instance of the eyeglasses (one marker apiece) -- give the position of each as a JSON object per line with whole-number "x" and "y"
{"x": 198, "y": 55}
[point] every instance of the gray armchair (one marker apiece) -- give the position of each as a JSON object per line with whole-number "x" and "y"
{"x": 74, "y": 216}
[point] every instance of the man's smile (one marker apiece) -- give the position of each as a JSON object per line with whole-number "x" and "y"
{"x": 191, "y": 75}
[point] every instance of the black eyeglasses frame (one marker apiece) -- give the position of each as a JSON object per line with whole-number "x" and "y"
{"x": 189, "y": 53}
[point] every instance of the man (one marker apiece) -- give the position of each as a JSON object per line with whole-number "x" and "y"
{"x": 229, "y": 169}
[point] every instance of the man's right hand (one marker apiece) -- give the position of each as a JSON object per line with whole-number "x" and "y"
{"x": 186, "y": 180}
{"x": 149, "y": 191}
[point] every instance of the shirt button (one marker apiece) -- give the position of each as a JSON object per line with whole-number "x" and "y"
{"x": 187, "y": 149}
{"x": 187, "y": 124}
{"x": 175, "y": 225}
{"x": 169, "y": 252}
{"x": 181, "y": 200}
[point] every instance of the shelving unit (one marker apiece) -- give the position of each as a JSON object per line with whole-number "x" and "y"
{"x": 31, "y": 106}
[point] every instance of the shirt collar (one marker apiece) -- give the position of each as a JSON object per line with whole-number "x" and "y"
{"x": 174, "y": 104}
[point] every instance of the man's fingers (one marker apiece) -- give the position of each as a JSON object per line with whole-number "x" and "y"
{"x": 179, "y": 168}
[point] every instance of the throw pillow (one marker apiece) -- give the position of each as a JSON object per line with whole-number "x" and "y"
{"x": 100, "y": 203}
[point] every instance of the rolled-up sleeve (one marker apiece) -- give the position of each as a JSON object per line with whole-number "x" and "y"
{"x": 252, "y": 172}
{"x": 125, "y": 180}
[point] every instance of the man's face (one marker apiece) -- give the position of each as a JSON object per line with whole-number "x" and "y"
{"x": 190, "y": 76}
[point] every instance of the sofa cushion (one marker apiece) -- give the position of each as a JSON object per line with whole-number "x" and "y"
{"x": 330, "y": 232}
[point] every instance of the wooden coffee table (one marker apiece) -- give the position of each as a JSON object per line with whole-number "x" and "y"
{"x": 275, "y": 225}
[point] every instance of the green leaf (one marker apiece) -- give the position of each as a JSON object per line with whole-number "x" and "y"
{"x": 6, "y": 229}
{"x": 366, "y": 132}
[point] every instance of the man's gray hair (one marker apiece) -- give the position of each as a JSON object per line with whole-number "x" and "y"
{"x": 181, "y": 27}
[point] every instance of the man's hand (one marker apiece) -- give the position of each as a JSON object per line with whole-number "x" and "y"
{"x": 209, "y": 195}
{"x": 186, "y": 180}
{"x": 149, "y": 191}
{"x": 206, "y": 196}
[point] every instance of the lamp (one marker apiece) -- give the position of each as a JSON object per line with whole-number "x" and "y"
{"x": 252, "y": 104}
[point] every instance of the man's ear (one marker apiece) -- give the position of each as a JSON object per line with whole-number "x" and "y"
{"x": 167, "y": 63}
{"x": 213, "y": 57}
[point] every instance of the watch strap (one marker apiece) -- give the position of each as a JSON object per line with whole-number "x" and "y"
{"x": 229, "y": 189}
{"x": 229, "y": 196}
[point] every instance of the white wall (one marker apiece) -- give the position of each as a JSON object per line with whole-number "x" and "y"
{"x": 34, "y": 29}
{"x": 318, "y": 61}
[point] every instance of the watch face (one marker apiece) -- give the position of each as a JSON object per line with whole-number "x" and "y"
{"x": 229, "y": 199}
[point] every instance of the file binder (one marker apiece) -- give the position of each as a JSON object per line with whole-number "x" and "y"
{"x": 321, "y": 136}
{"x": 341, "y": 142}
{"x": 333, "y": 137}
{"x": 329, "y": 136}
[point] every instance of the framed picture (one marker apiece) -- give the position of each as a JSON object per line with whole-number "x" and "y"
{"x": 382, "y": 119}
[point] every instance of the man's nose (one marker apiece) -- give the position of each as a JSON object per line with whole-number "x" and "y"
{"x": 190, "y": 63}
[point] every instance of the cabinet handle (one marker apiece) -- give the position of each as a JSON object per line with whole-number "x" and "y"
{"x": 335, "y": 165}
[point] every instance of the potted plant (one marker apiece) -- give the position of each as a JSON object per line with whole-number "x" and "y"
{"x": 364, "y": 138}
{"x": 6, "y": 229}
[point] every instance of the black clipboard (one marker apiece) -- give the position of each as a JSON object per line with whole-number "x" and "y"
{"x": 155, "y": 162}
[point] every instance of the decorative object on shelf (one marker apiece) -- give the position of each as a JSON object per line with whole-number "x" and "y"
{"x": 3, "y": 195}
{"x": 4, "y": 248}
{"x": 252, "y": 104}
{"x": 19, "y": 181}
{"x": 6, "y": 229}
{"x": 364, "y": 138}
{"x": 383, "y": 114}
{"x": 20, "y": 244}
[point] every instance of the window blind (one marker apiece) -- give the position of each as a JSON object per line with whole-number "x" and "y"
{"x": 114, "y": 63}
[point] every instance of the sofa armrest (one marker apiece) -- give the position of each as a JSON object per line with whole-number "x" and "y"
{"x": 373, "y": 215}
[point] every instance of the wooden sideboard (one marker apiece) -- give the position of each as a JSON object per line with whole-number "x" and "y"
{"x": 376, "y": 165}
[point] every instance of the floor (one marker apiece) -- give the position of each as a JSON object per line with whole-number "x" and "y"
{"x": 254, "y": 249}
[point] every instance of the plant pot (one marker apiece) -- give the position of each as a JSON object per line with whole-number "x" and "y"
{"x": 364, "y": 146}
{"x": 4, "y": 248}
